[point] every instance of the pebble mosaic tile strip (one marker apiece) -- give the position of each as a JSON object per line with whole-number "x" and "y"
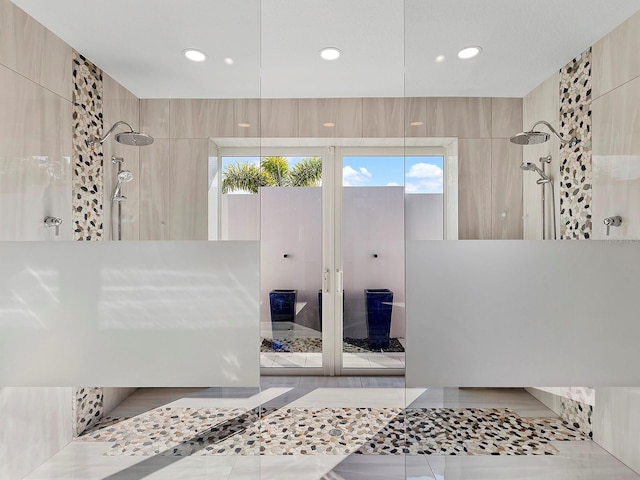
{"x": 578, "y": 415}
{"x": 314, "y": 345}
{"x": 575, "y": 161}
{"x": 170, "y": 431}
{"x": 87, "y": 160}
{"x": 87, "y": 408}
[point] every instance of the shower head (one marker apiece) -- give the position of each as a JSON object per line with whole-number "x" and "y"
{"x": 135, "y": 139}
{"x": 533, "y": 137}
{"x": 528, "y": 166}
{"x": 125, "y": 176}
{"x": 530, "y": 138}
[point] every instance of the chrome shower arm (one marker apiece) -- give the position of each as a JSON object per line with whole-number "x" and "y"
{"x": 93, "y": 141}
{"x": 563, "y": 140}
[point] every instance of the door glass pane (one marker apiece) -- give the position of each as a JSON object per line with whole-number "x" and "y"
{"x": 278, "y": 199}
{"x": 373, "y": 261}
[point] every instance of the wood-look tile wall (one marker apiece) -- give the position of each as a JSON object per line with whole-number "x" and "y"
{"x": 490, "y": 183}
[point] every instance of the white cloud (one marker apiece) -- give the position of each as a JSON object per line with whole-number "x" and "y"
{"x": 428, "y": 178}
{"x": 351, "y": 176}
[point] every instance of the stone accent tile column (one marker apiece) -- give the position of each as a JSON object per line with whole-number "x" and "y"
{"x": 87, "y": 161}
{"x": 575, "y": 162}
{"x": 87, "y": 408}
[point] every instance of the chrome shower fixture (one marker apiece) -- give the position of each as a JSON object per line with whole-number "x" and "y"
{"x": 531, "y": 167}
{"x": 135, "y": 139}
{"x": 124, "y": 176}
{"x": 533, "y": 137}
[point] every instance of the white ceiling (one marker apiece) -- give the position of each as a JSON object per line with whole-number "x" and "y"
{"x": 389, "y": 45}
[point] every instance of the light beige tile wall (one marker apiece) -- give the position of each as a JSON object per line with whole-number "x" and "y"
{"x": 542, "y": 103}
{"x": 490, "y": 181}
{"x": 118, "y": 103}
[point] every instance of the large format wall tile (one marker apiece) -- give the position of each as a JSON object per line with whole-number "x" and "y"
{"x": 344, "y": 113}
{"x": 616, "y": 121}
{"x": 246, "y": 117}
{"x": 188, "y": 189}
{"x": 506, "y": 117}
{"x": 154, "y": 117}
{"x": 118, "y": 103}
{"x": 415, "y": 117}
{"x": 459, "y": 117}
{"x": 33, "y": 51}
{"x": 542, "y": 103}
{"x": 383, "y": 117}
{"x": 474, "y": 189}
{"x": 154, "y": 191}
{"x": 615, "y": 57}
{"x": 279, "y": 117}
{"x": 506, "y": 190}
{"x": 35, "y": 160}
{"x": 201, "y": 118}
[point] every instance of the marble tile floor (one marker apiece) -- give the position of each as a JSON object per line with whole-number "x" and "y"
{"x": 369, "y": 404}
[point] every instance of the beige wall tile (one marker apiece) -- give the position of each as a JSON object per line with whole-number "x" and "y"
{"x": 459, "y": 117}
{"x": 416, "y": 112}
{"x": 506, "y": 190}
{"x": 246, "y": 111}
{"x": 506, "y": 117}
{"x": 616, "y": 121}
{"x": 345, "y": 113}
{"x": 474, "y": 189}
{"x": 154, "y": 190}
{"x": 615, "y": 57}
{"x": 220, "y": 118}
{"x": 33, "y": 51}
{"x": 35, "y": 159}
{"x": 542, "y": 103}
{"x": 154, "y": 117}
{"x": 188, "y": 183}
{"x": 279, "y": 118}
{"x": 383, "y": 117}
{"x": 189, "y": 118}
{"x": 118, "y": 103}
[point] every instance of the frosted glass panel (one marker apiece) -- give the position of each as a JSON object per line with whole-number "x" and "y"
{"x": 129, "y": 314}
{"x": 519, "y": 313}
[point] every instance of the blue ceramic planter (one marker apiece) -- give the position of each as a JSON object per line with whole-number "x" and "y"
{"x": 378, "y": 302}
{"x": 283, "y": 305}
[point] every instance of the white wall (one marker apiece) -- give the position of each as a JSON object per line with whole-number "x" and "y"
{"x": 424, "y": 216}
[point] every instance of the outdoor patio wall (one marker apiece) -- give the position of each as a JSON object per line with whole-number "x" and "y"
{"x": 490, "y": 182}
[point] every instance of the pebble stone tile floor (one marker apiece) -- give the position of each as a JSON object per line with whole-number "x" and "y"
{"x": 346, "y": 428}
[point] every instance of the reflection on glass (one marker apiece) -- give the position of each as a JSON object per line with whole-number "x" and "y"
{"x": 278, "y": 200}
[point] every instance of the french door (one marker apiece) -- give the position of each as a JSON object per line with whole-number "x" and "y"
{"x": 332, "y": 249}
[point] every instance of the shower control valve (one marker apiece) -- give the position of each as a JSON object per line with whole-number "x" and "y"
{"x": 615, "y": 221}
{"x": 53, "y": 222}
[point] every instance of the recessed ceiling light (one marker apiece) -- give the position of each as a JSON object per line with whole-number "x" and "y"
{"x": 440, "y": 58}
{"x": 228, "y": 61}
{"x": 194, "y": 55}
{"x": 244, "y": 125}
{"x": 469, "y": 52}
{"x": 330, "y": 53}
{"x": 329, "y": 124}
{"x": 416, "y": 124}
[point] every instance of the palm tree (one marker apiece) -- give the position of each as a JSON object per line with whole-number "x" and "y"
{"x": 272, "y": 172}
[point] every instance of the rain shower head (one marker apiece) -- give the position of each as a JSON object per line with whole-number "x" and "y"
{"x": 533, "y": 137}
{"x": 530, "y": 138}
{"x": 135, "y": 139}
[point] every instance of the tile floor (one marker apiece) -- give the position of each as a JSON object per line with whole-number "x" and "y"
{"x": 347, "y": 428}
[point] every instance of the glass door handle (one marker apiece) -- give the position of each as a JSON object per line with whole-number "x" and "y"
{"x": 325, "y": 281}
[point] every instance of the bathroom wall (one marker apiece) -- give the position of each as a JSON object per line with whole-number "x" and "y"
{"x": 608, "y": 112}
{"x": 490, "y": 183}
{"x": 35, "y": 181}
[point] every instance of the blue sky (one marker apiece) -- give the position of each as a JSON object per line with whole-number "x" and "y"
{"x": 418, "y": 174}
